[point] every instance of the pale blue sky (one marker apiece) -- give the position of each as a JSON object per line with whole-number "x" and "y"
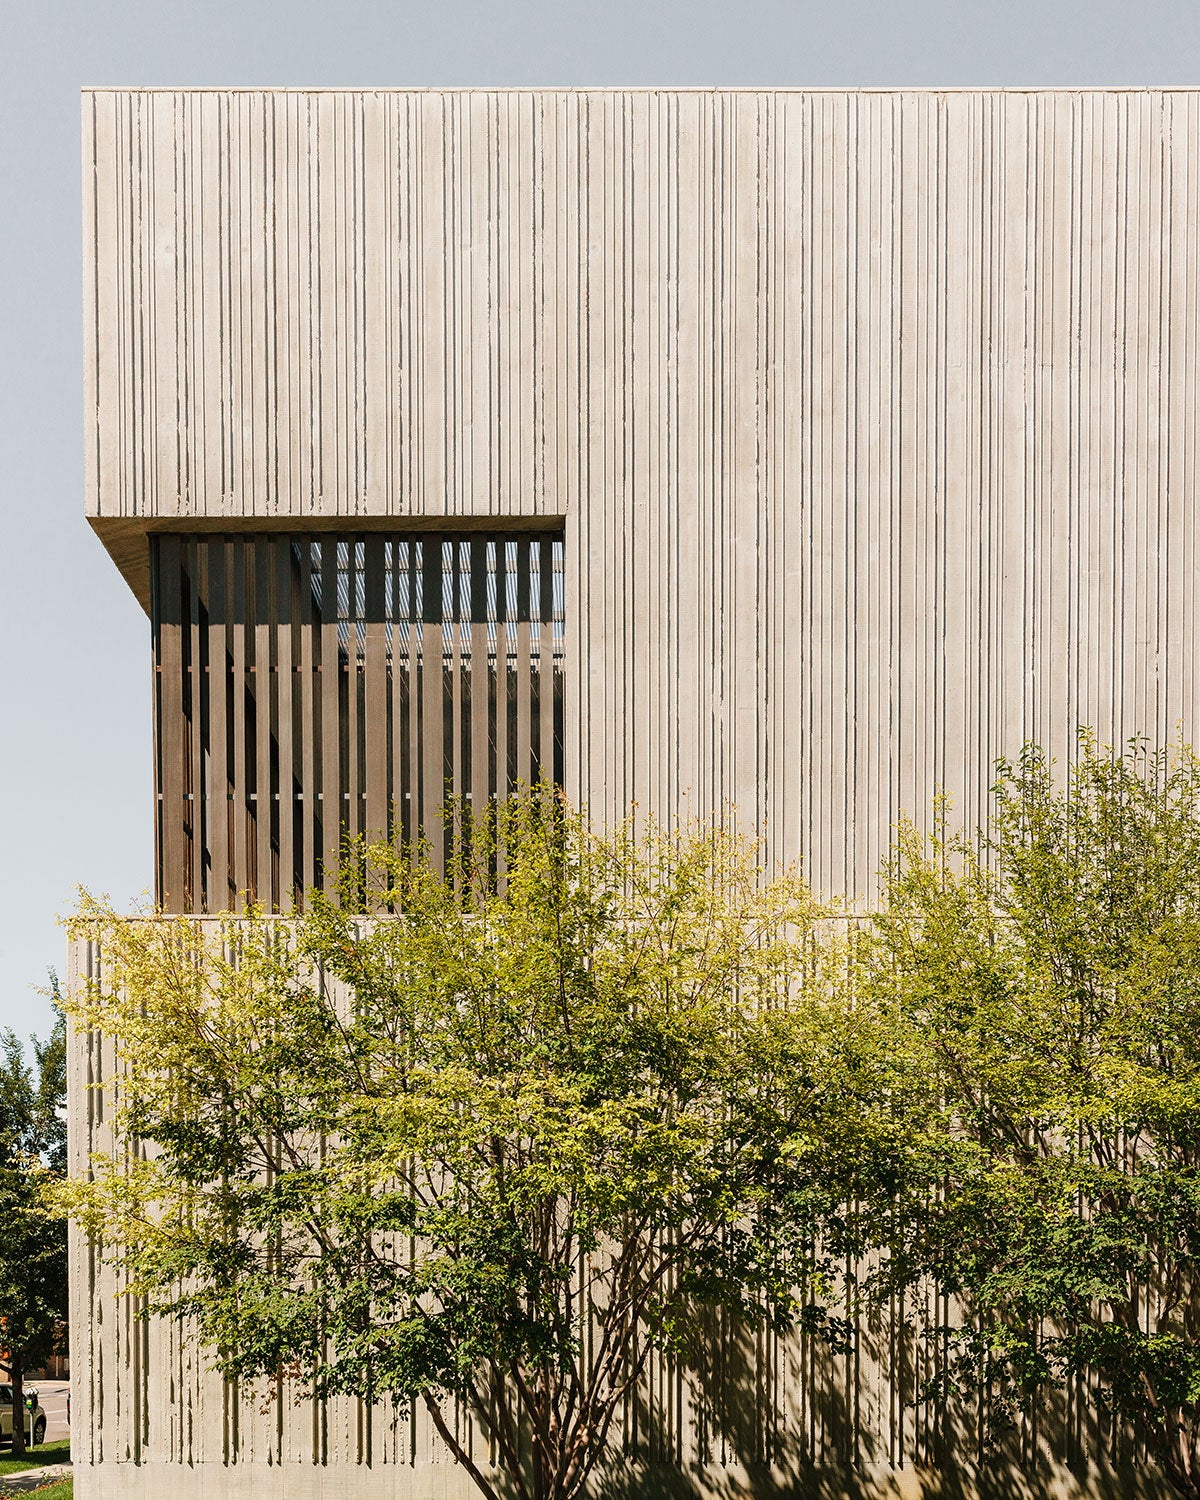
{"x": 75, "y": 773}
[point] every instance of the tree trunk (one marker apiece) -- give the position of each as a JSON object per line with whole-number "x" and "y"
{"x": 1183, "y": 1483}
{"x": 18, "y": 1411}
{"x": 1175, "y": 1458}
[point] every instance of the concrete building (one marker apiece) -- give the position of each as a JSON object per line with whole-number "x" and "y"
{"x": 796, "y": 451}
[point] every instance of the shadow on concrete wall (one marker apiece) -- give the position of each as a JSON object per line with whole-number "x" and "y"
{"x": 745, "y": 1415}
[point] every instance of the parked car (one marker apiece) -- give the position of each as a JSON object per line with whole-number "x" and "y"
{"x": 35, "y": 1417}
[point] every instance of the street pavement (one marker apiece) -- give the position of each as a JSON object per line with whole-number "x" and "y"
{"x": 34, "y": 1479}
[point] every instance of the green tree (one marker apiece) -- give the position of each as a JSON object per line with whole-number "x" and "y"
{"x": 33, "y": 1232}
{"x": 1045, "y": 986}
{"x": 492, "y": 1148}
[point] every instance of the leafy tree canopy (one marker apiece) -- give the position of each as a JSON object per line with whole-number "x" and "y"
{"x": 33, "y": 1232}
{"x": 495, "y": 1146}
{"x": 1045, "y": 983}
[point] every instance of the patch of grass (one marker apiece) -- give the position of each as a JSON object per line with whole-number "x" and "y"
{"x": 36, "y": 1458}
{"x": 61, "y": 1489}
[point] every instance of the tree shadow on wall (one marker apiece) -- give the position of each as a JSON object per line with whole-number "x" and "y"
{"x": 749, "y": 1415}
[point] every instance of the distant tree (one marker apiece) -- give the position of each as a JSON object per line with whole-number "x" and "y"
{"x": 33, "y": 1231}
{"x": 1044, "y": 984}
{"x": 492, "y": 1149}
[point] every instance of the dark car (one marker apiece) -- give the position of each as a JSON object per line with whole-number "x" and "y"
{"x": 35, "y": 1417}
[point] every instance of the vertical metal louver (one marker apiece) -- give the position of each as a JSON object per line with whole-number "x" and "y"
{"x": 314, "y": 687}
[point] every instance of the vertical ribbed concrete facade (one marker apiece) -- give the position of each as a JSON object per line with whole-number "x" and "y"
{"x": 870, "y": 423}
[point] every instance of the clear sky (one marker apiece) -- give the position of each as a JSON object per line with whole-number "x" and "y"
{"x": 75, "y": 771}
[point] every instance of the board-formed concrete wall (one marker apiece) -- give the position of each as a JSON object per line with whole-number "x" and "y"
{"x": 872, "y": 421}
{"x": 872, "y": 416}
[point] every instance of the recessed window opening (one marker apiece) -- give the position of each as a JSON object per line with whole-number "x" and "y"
{"x": 310, "y": 688}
